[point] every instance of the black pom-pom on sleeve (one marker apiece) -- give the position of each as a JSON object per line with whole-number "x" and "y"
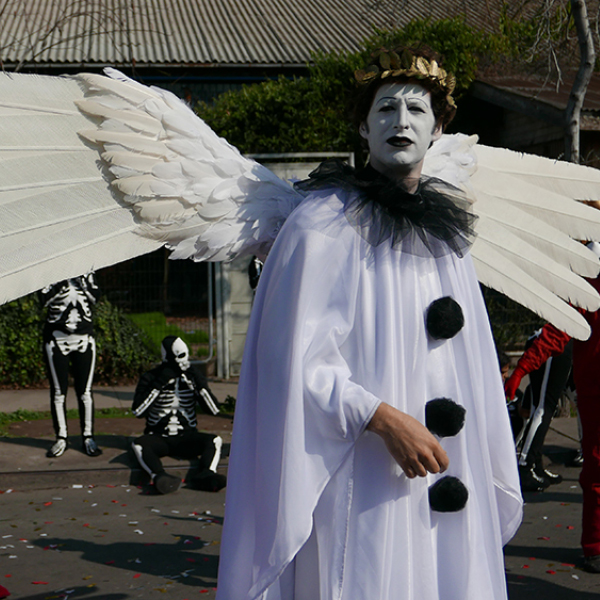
{"x": 448, "y": 494}
{"x": 444, "y": 318}
{"x": 443, "y": 417}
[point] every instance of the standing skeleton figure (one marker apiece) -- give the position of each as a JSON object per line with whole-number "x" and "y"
{"x": 69, "y": 342}
{"x": 166, "y": 396}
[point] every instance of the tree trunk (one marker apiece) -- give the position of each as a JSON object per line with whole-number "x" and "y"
{"x": 584, "y": 74}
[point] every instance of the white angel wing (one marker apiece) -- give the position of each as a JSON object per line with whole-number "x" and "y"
{"x": 529, "y": 221}
{"x": 163, "y": 178}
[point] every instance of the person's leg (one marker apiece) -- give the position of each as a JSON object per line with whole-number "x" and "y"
{"x": 57, "y": 370}
{"x": 547, "y": 385}
{"x": 589, "y": 409}
{"x": 207, "y": 447}
{"x": 148, "y": 450}
{"x": 82, "y": 367}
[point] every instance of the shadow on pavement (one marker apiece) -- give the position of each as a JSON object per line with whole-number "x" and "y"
{"x": 521, "y": 587}
{"x": 78, "y": 592}
{"x": 181, "y": 560}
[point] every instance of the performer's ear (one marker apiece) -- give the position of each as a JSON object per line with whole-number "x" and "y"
{"x": 363, "y": 129}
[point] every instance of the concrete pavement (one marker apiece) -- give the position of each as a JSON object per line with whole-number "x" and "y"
{"x": 70, "y": 527}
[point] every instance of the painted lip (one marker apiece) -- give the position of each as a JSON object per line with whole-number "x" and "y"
{"x": 399, "y": 141}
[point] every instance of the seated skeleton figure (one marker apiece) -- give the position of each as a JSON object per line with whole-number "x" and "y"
{"x": 166, "y": 397}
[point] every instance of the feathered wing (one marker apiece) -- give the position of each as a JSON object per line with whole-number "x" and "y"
{"x": 140, "y": 170}
{"x": 529, "y": 221}
{"x": 96, "y": 170}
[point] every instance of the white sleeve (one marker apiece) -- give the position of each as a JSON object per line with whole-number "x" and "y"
{"x": 299, "y": 412}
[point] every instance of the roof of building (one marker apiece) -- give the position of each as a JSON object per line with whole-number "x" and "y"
{"x": 541, "y": 97}
{"x": 208, "y": 32}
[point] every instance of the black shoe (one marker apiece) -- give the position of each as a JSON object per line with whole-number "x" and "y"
{"x": 167, "y": 484}
{"x": 591, "y": 564}
{"x": 58, "y": 448}
{"x": 90, "y": 447}
{"x": 208, "y": 481}
{"x": 548, "y": 476}
{"x": 531, "y": 481}
{"x": 577, "y": 460}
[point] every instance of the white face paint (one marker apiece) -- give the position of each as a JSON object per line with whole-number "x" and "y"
{"x": 180, "y": 352}
{"x": 399, "y": 129}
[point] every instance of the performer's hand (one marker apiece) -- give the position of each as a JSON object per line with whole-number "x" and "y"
{"x": 512, "y": 383}
{"x": 410, "y": 443}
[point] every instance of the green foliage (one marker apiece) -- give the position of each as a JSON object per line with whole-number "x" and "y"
{"x": 123, "y": 350}
{"x": 21, "y": 324}
{"x": 156, "y": 328}
{"x": 310, "y": 114}
{"x": 511, "y": 323}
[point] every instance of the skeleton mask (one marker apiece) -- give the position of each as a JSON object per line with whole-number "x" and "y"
{"x": 175, "y": 351}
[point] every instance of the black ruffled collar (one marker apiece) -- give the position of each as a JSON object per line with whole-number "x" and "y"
{"x": 435, "y": 220}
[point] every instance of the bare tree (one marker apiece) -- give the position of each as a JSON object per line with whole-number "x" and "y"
{"x": 582, "y": 80}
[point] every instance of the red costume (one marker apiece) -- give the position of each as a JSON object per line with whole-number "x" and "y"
{"x": 586, "y": 361}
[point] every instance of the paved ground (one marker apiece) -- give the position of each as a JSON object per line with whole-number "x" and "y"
{"x": 80, "y": 527}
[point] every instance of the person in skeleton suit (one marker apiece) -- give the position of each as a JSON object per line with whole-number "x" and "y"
{"x": 68, "y": 339}
{"x": 167, "y": 396}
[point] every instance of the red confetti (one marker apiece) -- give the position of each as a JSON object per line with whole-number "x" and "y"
{"x": 47, "y": 503}
{"x": 532, "y": 558}
{"x": 109, "y": 562}
{"x": 551, "y": 572}
{"x": 111, "y": 486}
{"x": 39, "y": 582}
{"x": 86, "y": 524}
{"x": 567, "y": 565}
{"x": 8, "y": 575}
{"x": 136, "y": 576}
{"x": 544, "y": 538}
{"x": 203, "y": 591}
{"x": 558, "y": 526}
{"x": 123, "y": 504}
{"x": 570, "y": 527}
{"x": 115, "y": 501}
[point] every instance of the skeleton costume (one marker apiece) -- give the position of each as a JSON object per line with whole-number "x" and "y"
{"x": 167, "y": 396}
{"x": 68, "y": 340}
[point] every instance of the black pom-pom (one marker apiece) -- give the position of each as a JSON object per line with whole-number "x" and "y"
{"x": 444, "y": 318}
{"x": 444, "y": 417}
{"x": 448, "y": 494}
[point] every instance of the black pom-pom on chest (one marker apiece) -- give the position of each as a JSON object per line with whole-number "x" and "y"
{"x": 444, "y": 318}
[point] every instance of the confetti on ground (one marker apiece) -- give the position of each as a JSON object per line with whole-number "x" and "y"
{"x": 570, "y": 527}
{"x": 544, "y": 538}
{"x": 551, "y": 572}
{"x": 39, "y": 582}
{"x": 575, "y": 576}
{"x": 137, "y": 575}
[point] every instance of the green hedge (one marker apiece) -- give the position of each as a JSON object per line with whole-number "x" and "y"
{"x": 124, "y": 351}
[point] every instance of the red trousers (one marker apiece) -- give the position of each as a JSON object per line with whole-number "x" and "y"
{"x": 589, "y": 411}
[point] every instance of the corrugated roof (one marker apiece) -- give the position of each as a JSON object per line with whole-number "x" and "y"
{"x": 214, "y": 32}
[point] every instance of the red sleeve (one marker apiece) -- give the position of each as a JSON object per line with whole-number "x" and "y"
{"x": 549, "y": 342}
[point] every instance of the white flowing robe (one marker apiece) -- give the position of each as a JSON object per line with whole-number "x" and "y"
{"x": 338, "y": 326}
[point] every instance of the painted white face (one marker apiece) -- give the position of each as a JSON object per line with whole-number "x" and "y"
{"x": 178, "y": 352}
{"x": 399, "y": 129}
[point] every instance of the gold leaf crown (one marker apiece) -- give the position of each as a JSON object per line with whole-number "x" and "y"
{"x": 387, "y": 63}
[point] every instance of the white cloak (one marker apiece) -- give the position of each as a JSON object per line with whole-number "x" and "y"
{"x": 337, "y": 327}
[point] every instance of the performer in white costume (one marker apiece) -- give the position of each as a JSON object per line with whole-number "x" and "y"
{"x": 342, "y": 366}
{"x": 331, "y": 461}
